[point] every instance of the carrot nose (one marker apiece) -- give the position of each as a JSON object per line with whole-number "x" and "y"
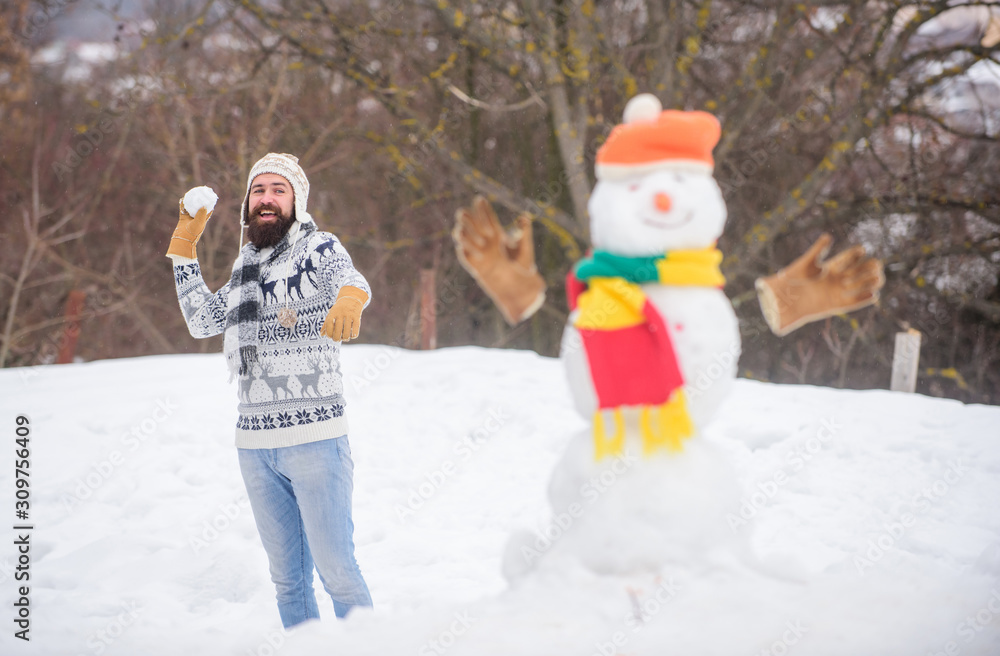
{"x": 662, "y": 202}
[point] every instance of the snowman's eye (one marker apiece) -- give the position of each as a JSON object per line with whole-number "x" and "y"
{"x": 678, "y": 178}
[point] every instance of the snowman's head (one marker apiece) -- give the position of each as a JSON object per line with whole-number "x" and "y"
{"x": 649, "y": 214}
{"x": 655, "y": 190}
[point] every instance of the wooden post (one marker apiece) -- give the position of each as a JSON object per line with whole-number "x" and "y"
{"x": 428, "y": 310}
{"x": 906, "y": 362}
{"x": 74, "y": 308}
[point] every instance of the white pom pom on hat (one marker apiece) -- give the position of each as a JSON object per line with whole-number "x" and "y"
{"x": 644, "y": 107}
{"x": 287, "y": 166}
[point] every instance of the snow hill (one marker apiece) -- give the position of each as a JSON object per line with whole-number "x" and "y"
{"x": 873, "y": 516}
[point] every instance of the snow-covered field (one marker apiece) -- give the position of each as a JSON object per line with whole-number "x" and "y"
{"x": 873, "y": 519}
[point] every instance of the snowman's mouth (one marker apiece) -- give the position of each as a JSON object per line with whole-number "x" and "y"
{"x": 667, "y": 224}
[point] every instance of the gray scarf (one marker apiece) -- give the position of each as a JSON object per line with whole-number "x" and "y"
{"x": 245, "y": 299}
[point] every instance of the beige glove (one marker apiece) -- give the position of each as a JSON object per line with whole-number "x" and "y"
{"x": 188, "y": 232}
{"x": 343, "y": 321}
{"x": 808, "y": 289}
{"x": 502, "y": 264}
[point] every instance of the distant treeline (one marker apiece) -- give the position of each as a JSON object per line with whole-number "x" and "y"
{"x": 853, "y": 118}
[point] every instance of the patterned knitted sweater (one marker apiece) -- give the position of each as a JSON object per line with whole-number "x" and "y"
{"x": 294, "y": 393}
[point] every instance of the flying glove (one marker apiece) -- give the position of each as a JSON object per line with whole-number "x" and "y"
{"x": 810, "y": 289}
{"x": 503, "y": 264}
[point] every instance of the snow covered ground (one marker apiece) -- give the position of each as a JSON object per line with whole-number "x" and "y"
{"x": 872, "y": 516}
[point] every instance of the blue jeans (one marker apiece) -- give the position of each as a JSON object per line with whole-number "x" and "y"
{"x": 301, "y": 501}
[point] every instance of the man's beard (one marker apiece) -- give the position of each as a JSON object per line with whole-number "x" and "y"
{"x": 264, "y": 235}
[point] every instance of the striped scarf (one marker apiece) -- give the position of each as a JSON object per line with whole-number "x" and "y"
{"x": 631, "y": 357}
{"x": 244, "y": 302}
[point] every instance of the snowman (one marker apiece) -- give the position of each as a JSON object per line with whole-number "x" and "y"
{"x": 651, "y": 345}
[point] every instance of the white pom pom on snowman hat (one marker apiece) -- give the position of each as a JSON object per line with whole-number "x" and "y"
{"x": 644, "y": 107}
{"x": 200, "y": 197}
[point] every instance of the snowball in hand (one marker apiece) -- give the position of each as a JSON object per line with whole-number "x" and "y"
{"x": 198, "y": 198}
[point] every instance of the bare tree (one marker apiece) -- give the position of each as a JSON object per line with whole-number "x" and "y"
{"x": 874, "y": 121}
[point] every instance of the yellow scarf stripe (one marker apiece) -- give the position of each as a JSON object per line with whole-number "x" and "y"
{"x": 662, "y": 427}
{"x": 693, "y": 268}
{"x": 610, "y": 304}
{"x": 672, "y": 426}
{"x": 604, "y": 446}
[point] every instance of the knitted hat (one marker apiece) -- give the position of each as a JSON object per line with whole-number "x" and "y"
{"x": 287, "y": 166}
{"x": 651, "y": 139}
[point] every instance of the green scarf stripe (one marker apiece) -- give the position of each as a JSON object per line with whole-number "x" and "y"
{"x": 602, "y": 264}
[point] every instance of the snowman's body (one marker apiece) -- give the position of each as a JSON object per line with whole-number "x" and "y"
{"x": 704, "y": 331}
{"x": 649, "y": 215}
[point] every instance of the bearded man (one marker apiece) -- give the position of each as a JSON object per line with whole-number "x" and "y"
{"x": 294, "y": 295}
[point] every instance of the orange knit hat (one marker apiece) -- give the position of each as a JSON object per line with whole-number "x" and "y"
{"x": 651, "y": 139}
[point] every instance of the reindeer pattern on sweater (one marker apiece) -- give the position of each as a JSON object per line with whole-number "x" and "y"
{"x": 293, "y": 394}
